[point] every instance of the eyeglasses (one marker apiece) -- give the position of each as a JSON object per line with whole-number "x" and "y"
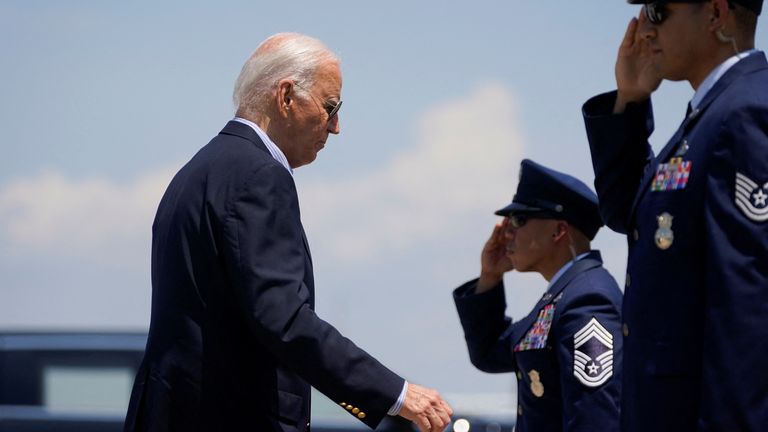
{"x": 331, "y": 108}
{"x": 657, "y": 11}
{"x": 517, "y": 221}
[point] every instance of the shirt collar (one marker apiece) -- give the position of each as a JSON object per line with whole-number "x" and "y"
{"x": 715, "y": 75}
{"x": 564, "y": 269}
{"x": 273, "y": 149}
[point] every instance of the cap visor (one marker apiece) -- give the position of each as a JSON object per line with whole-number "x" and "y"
{"x": 517, "y": 208}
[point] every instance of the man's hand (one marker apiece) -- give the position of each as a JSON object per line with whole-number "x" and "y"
{"x": 493, "y": 260}
{"x": 426, "y": 408}
{"x": 637, "y": 74}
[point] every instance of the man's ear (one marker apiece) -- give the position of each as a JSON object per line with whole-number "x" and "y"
{"x": 284, "y": 97}
{"x": 718, "y": 14}
{"x": 561, "y": 230}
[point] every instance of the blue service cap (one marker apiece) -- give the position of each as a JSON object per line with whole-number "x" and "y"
{"x": 546, "y": 191}
{"x": 754, "y": 5}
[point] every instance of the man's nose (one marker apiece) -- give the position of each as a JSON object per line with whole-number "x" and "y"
{"x": 334, "y": 126}
{"x": 645, "y": 29}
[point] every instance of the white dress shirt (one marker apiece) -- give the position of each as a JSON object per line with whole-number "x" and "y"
{"x": 274, "y": 150}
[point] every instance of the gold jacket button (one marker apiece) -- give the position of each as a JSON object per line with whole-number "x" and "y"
{"x": 343, "y": 404}
{"x": 349, "y": 407}
{"x": 356, "y": 410}
{"x": 519, "y": 375}
{"x": 361, "y": 415}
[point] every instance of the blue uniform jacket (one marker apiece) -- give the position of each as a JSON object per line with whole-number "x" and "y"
{"x": 696, "y": 291}
{"x": 234, "y": 343}
{"x": 566, "y": 353}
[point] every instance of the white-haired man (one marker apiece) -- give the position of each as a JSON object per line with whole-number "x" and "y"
{"x": 234, "y": 342}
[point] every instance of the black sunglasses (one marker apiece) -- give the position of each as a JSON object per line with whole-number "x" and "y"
{"x": 657, "y": 11}
{"x": 331, "y": 108}
{"x": 517, "y": 221}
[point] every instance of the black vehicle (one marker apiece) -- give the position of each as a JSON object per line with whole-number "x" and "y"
{"x": 81, "y": 382}
{"x": 54, "y": 381}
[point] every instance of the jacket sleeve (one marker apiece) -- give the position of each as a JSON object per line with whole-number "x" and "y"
{"x": 589, "y": 354}
{"x": 266, "y": 258}
{"x": 736, "y": 297}
{"x": 620, "y": 154}
{"x": 487, "y": 330}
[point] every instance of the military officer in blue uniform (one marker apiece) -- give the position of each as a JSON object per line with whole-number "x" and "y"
{"x": 695, "y": 214}
{"x": 567, "y": 352}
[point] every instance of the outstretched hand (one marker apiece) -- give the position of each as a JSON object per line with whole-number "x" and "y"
{"x": 426, "y": 408}
{"x": 637, "y": 74}
{"x": 494, "y": 261}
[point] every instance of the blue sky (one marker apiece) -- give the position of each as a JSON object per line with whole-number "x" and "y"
{"x": 102, "y": 101}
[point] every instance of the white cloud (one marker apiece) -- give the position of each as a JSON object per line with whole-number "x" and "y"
{"x": 464, "y": 163}
{"x": 51, "y": 213}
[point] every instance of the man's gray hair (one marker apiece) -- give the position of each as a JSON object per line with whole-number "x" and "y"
{"x": 284, "y": 55}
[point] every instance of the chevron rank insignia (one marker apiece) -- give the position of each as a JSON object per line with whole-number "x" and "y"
{"x": 593, "y": 354}
{"x": 751, "y": 198}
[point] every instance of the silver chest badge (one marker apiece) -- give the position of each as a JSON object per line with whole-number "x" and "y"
{"x": 664, "y": 235}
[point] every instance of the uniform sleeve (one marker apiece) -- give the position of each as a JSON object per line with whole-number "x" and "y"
{"x": 735, "y": 345}
{"x": 589, "y": 353}
{"x": 486, "y": 329}
{"x": 620, "y": 153}
{"x": 266, "y": 258}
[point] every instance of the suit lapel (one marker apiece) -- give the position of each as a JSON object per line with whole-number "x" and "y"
{"x": 589, "y": 262}
{"x": 750, "y": 64}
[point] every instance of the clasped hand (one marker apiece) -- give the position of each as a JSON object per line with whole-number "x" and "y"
{"x": 426, "y": 408}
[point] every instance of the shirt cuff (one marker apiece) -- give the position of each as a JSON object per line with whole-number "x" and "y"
{"x": 395, "y": 410}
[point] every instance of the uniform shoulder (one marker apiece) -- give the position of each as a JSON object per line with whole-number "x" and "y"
{"x": 740, "y": 93}
{"x": 595, "y": 285}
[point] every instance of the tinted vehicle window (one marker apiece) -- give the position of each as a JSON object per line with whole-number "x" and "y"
{"x": 92, "y": 388}
{"x": 65, "y": 380}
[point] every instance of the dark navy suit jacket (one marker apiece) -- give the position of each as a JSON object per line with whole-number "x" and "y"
{"x": 570, "y": 380}
{"x": 696, "y": 313}
{"x": 234, "y": 343}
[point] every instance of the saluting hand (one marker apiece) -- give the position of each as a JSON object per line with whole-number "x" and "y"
{"x": 637, "y": 75}
{"x": 426, "y": 408}
{"x": 494, "y": 261}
